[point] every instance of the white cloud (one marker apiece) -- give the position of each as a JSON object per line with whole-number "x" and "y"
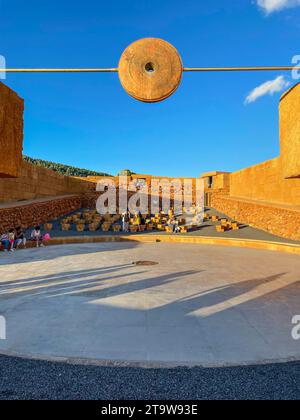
{"x": 268, "y": 88}
{"x": 270, "y": 6}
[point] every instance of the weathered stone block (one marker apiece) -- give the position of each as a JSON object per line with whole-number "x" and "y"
{"x": 11, "y": 132}
{"x": 289, "y": 110}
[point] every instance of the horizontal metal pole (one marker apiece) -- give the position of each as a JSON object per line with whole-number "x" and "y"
{"x": 186, "y": 69}
{"x": 112, "y": 70}
{"x": 215, "y": 69}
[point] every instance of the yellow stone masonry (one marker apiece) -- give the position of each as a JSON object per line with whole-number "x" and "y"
{"x": 11, "y": 132}
{"x": 266, "y": 182}
{"x": 37, "y": 182}
{"x": 290, "y": 132}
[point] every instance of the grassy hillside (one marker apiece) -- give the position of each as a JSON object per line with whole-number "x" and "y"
{"x": 63, "y": 169}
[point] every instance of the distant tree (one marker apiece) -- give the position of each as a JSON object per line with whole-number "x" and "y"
{"x": 126, "y": 172}
{"x": 63, "y": 169}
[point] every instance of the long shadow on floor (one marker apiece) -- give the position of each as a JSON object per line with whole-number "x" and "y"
{"x": 50, "y": 253}
{"x": 77, "y": 283}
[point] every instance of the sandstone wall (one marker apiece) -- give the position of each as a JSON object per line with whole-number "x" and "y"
{"x": 273, "y": 186}
{"x": 261, "y": 197}
{"x": 289, "y": 118}
{"x": 29, "y": 215}
{"x": 276, "y": 220}
{"x": 11, "y": 132}
{"x": 265, "y": 182}
{"x": 221, "y": 182}
{"x": 37, "y": 182}
{"x": 89, "y": 200}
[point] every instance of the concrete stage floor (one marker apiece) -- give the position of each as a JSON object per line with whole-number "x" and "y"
{"x": 200, "y": 304}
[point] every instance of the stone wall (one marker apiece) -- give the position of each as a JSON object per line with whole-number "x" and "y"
{"x": 11, "y": 132}
{"x": 267, "y": 195}
{"x": 38, "y": 182}
{"x": 31, "y": 214}
{"x": 265, "y": 182}
{"x": 89, "y": 200}
{"x": 280, "y": 221}
{"x": 289, "y": 119}
{"x": 221, "y": 182}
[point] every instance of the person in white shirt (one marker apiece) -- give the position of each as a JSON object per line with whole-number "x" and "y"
{"x": 36, "y": 236}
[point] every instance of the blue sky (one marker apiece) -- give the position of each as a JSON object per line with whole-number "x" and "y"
{"x": 87, "y": 120}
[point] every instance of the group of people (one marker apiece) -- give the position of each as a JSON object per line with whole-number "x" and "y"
{"x": 137, "y": 218}
{"x": 15, "y": 238}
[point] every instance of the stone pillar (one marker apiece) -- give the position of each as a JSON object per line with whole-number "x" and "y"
{"x": 289, "y": 120}
{"x": 11, "y": 132}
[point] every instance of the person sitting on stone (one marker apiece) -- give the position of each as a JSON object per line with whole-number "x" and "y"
{"x": 36, "y": 236}
{"x": 20, "y": 238}
{"x": 4, "y": 241}
{"x": 11, "y": 239}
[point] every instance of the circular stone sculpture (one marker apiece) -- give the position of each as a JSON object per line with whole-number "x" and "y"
{"x": 150, "y": 70}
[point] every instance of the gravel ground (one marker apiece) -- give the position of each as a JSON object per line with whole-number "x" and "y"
{"x": 32, "y": 380}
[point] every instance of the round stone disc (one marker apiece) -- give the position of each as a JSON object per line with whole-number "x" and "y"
{"x": 150, "y": 70}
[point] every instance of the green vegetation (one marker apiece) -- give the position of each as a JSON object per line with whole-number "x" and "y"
{"x": 63, "y": 169}
{"x": 126, "y": 172}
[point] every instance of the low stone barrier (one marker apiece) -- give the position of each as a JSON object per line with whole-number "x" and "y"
{"x": 183, "y": 239}
{"x": 38, "y": 212}
{"x": 280, "y": 221}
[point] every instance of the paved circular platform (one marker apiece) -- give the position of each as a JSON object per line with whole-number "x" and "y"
{"x": 200, "y": 304}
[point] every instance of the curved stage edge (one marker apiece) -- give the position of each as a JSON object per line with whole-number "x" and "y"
{"x": 290, "y": 248}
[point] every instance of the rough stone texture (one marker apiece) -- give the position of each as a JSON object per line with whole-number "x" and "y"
{"x": 11, "y": 132}
{"x": 89, "y": 200}
{"x": 279, "y": 221}
{"x": 290, "y": 132}
{"x": 28, "y": 215}
{"x": 44, "y": 380}
{"x": 37, "y": 182}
